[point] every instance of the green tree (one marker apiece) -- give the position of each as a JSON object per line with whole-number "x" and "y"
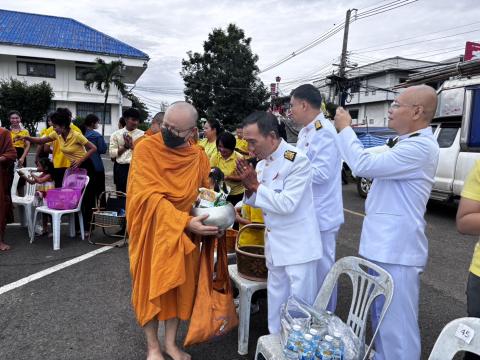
{"x": 102, "y": 76}
{"x": 32, "y": 101}
{"x": 140, "y": 106}
{"x": 223, "y": 82}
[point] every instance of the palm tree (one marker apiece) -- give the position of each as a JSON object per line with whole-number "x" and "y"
{"x": 102, "y": 76}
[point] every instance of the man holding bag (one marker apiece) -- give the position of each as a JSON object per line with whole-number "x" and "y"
{"x": 166, "y": 172}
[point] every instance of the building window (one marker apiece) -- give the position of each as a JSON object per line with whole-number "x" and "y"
{"x": 374, "y": 92}
{"x": 371, "y": 121}
{"x": 83, "y": 109}
{"x": 80, "y": 72}
{"x": 366, "y": 92}
{"x": 35, "y": 69}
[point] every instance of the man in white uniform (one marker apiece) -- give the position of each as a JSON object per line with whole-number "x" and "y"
{"x": 317, "y": 139}
{"x": 282, "y": 187}
{"x": 393, "y": 234}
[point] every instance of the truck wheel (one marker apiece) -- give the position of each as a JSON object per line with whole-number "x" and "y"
{"x": 363, "y": 186}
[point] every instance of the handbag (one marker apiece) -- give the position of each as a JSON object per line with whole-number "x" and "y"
{"x": 213, "y": 312}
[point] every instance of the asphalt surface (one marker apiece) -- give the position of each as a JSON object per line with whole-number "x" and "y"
{"x": 83, "y": 311}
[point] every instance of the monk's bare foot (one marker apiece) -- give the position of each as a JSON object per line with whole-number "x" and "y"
{"x": 4, "y": 247}
{"x": 176, "y": 354}
{"x": 155, "y": 354}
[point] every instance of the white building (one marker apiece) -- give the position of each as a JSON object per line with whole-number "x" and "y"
{"x": 35, "y": 48}
{"x": 369, "y": 94}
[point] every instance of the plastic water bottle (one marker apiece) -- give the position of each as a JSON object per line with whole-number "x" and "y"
{"x": 324, "y": 349}
{"x": 338, "y": 347}
{"x": 294, "y": 342}
{"x": 315, "y": 337}
{"x": 307, "y": 351}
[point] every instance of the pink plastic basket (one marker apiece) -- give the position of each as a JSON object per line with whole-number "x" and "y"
{"x": 63, "y": 199}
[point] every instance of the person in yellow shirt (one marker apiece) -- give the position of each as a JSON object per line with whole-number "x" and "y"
{"x": 247, "y": 214}
{"x": 60, "y": 161}
{"x": 226, "y": 160}
{"x": 17, "y": 132}
{"x": 77, "y": 149}
{"x": 212, "y": 129}
{"x": 468, "y": 222}
{"x": 242, "y": 144}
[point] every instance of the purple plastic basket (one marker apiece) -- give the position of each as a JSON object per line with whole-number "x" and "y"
{"x": 74, "y": 179}
{"x": 63, "y": 199}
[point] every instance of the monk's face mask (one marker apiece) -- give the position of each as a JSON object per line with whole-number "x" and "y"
{"x": 172, "y": 140}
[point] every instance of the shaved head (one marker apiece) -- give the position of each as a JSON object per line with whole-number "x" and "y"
{"x": 424, "y": 96}
{"x": 181, "y": 115}
{"x": 158, "y": 118}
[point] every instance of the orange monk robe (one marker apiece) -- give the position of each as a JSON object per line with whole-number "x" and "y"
{"x": 162, "y": 186}
{"x": 146, "y": 134}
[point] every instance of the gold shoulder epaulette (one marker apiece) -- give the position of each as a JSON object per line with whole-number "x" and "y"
{"x": 318, "y": 125}
{"x": 290, "y": 155}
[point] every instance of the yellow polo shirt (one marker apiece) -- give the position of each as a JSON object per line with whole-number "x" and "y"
{"x": 209, "y": 147}
{"x": 252, "y": 236}
{"x": 228, "y": 167}
{"x": 471, "y": 190}
{"x": 242, "y": 145}
{"x": 59, "y": 160}
{"x": 19, "y": 143}
{"x": 73, "y": 147}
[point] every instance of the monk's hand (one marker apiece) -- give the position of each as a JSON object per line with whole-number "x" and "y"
{"x": 196, "y": 226}
{"x": 342, "y": 119}
{"x": 248, "y": 175}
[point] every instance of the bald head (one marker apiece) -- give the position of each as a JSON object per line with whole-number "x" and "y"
{"x": 181, "y": 115}
{"x": 158, "y": 118}
{"x": 424, "y": 96}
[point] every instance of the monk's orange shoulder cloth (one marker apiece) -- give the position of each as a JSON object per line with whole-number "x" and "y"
{"x": 162, "y": 186}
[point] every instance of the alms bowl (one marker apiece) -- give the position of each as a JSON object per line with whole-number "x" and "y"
{"x": 221, "y": 216}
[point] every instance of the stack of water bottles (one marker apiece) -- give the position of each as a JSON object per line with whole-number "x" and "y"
{"x": 309, "y": 334}
{"x": 313, "y": 343}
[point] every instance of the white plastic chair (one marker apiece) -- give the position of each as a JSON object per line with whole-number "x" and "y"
{"x": 57, "y": 217}
{"x": 26, "y": 201}
{"x": 246, "y": 289}
{"x": 452, "y": 339}
{"x": 366, "y": 287}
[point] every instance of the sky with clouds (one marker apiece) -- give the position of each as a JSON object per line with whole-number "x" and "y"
{"x": 166, "y": 29}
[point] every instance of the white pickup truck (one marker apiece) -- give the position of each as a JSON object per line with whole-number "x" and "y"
{"x": 456, "y": 127}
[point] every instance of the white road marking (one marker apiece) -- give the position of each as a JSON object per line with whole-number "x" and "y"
{"x": 51, "y": 270}
{"x": 354, "y": 212}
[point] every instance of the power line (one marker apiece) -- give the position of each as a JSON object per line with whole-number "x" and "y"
{"x": 413, "y": 37}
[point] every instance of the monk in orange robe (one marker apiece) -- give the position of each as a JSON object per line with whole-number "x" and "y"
{"x": 165, "y": 174}
{"x": 8, "y": 155}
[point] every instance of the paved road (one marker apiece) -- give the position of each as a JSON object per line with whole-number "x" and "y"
{"x": 83, "y": 311}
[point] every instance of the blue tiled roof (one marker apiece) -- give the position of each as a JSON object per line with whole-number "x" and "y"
{"x": 24, "y": 29}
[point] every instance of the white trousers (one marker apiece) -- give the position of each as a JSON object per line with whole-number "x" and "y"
{"x": 399, "y": 335}
{"x": 283, "y": 281}
{"x": 329, "y": 240}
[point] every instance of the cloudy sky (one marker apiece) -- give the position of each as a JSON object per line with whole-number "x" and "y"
{"x": 167, "y": 29}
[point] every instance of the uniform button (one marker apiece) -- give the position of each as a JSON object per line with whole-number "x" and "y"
{"x": 264, "y": 214}
{"x": 268, "y": 229}
{"x": 263, "y": 181}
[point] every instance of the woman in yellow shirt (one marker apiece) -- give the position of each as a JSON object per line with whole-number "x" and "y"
{"x": 77, "y": 149}
{"x": 212, "y": 129}
{"x": 468, "y": 222}
{"x": 16, "y": 130}
{"x": 226, "y": 160}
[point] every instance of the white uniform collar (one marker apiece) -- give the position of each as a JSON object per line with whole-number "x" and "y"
{"x": 277, "y": 153}
{"x": 426, "y": 131}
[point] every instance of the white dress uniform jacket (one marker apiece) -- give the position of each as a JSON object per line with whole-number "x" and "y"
{"x": 285, "y": 196}
{"x": 394, "y": 227}
{"x": 318, "y": 141}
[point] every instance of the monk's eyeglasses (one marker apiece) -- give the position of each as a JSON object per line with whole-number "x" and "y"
{"x": 176, "y": 131}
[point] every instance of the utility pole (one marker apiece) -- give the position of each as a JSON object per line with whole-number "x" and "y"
{"x": 343, "y": 59}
